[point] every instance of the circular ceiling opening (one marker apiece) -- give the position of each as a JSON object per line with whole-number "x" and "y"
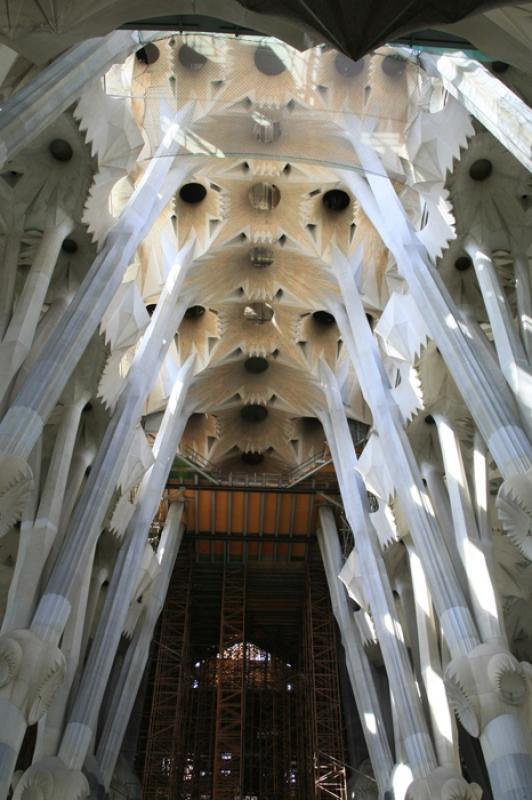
{"x": 256, "y": 365}
{"x": 323, "y": 318}
{"x": 60, "y": 150}
{"x": 253, "y": 413}
{"x": 462, "y": 263}
{"x": 194, "y": 312}
{"x": 148, "y": 54}
{"x": 336, "y": 200}
{"x": 69, "y": 246}
{"x": 193, "y": 193}
{"x": 252, "y": 459}
{"x": 264, "y": 196}
{"x": 259, "y": 313}
{"x": 429, "y": 420}
{"x": 481, "y": 169}
{"x": 347, "y": 67}
{"x": 190, "y": 58}
{"x": 261, "y": 257}
{"x": 393, "y": 66}
{"x": 267, "y": 61}
{"x": 499, "y": 67}
{"x": 151, "y": 309}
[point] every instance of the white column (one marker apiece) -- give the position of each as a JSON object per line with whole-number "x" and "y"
{"x": 24, "y": 421}
{"x": 492, "y": 408}
{"x": 499, "y": 109}
{"x": 442, "y": 720}
{"x": 512, "y": 357}
{"x": 452, "y": 606}
{"x": 31, "y": 109}
{"x": 53, "y": 609}
{"x": 85, "y": 710}
{"x": 523, "y": 291}
{"x": 119, "y": 711}
{"x": 358, "y": 666}
{"x": 416, "y": 740}
{"x": 37, "y": 535}
{"x": 482, "y": 591}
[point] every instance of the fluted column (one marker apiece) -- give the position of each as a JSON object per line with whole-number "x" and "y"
{"x": 23, "y": 423}
{"x": 53, "y": 609}
{"x": 510, "y": 350}
{"x": 37, "y": 536}
{"x": 442, "y": 720}
{"x": 505, "y": 115}
{"x": 491, "y": 405}
{"x": 18, "y": 338}
{"x": 37, "y": 104}
{"x": 84, "y": 529}
{"x": 84, "y": 714}
{"x": 524, "y": 298}
{"x": 452, "y": 606}
{"x": 358, "y": 667}
{"x": 481, "y": 586}
{"x": 417, "y": 744}
{"x": 119, "y": 711}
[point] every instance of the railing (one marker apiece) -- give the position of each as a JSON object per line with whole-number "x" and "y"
{"x": 198, "y": 463}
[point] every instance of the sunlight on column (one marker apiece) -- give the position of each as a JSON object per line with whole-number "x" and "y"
{"x": 438, "y": 703}
{"x": 401, "y": 779}
{"x": 483, "y": 586}
{"x": 480, "y": 478}
{"x": 370, "y": 721}
{"x": 420, "y": 585}
{"x": 453, "y": 466}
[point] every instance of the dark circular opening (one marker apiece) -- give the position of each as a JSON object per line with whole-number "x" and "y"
{"x": 151, "y": 308}
{"x": 481, "y": 169}
{"x": 253, "y": 412}
{"x": 347, "y": 67}
{"x": 429, "y": 419}
{"x": 88, "y": 471}
{"x": 69, "y": 246}
{"x": 499, "y": 67}
{"x": 256, "y": 365}
{"x": 194, "y": 312}
{"x": 393, "y": 66}
{"x": 261, "y": 257}
{"x": 462, "y": 263}
{"x": 323, "y": 318}
{"x": 60, "y": 150}
{"x": 148, "y": 54}
{"x": 252, "y": 459}
{"x": 191, "y": 59}
{"x": 87, "y": 407}
{"x": 267, "y": 61}
{"x": 193, "y": 193}
{"x": 336, "y": 200}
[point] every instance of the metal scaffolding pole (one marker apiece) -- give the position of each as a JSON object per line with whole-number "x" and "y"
{"x": 163, "y": 763}
{"x": 230, "y": 706}
{"x": 323, "y": 688}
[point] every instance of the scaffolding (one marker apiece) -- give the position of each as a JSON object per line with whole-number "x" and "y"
{"x": 242, "y": 707}
{"x": 163, "y": 764}
{"x": 324, "y": 720}
{"x": 230, "y": 694}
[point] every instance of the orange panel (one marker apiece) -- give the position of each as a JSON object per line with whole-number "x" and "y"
{"x": 238, "y": 512}
{"x": 221, "y": 512}
{"x": 269, "y": 512}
